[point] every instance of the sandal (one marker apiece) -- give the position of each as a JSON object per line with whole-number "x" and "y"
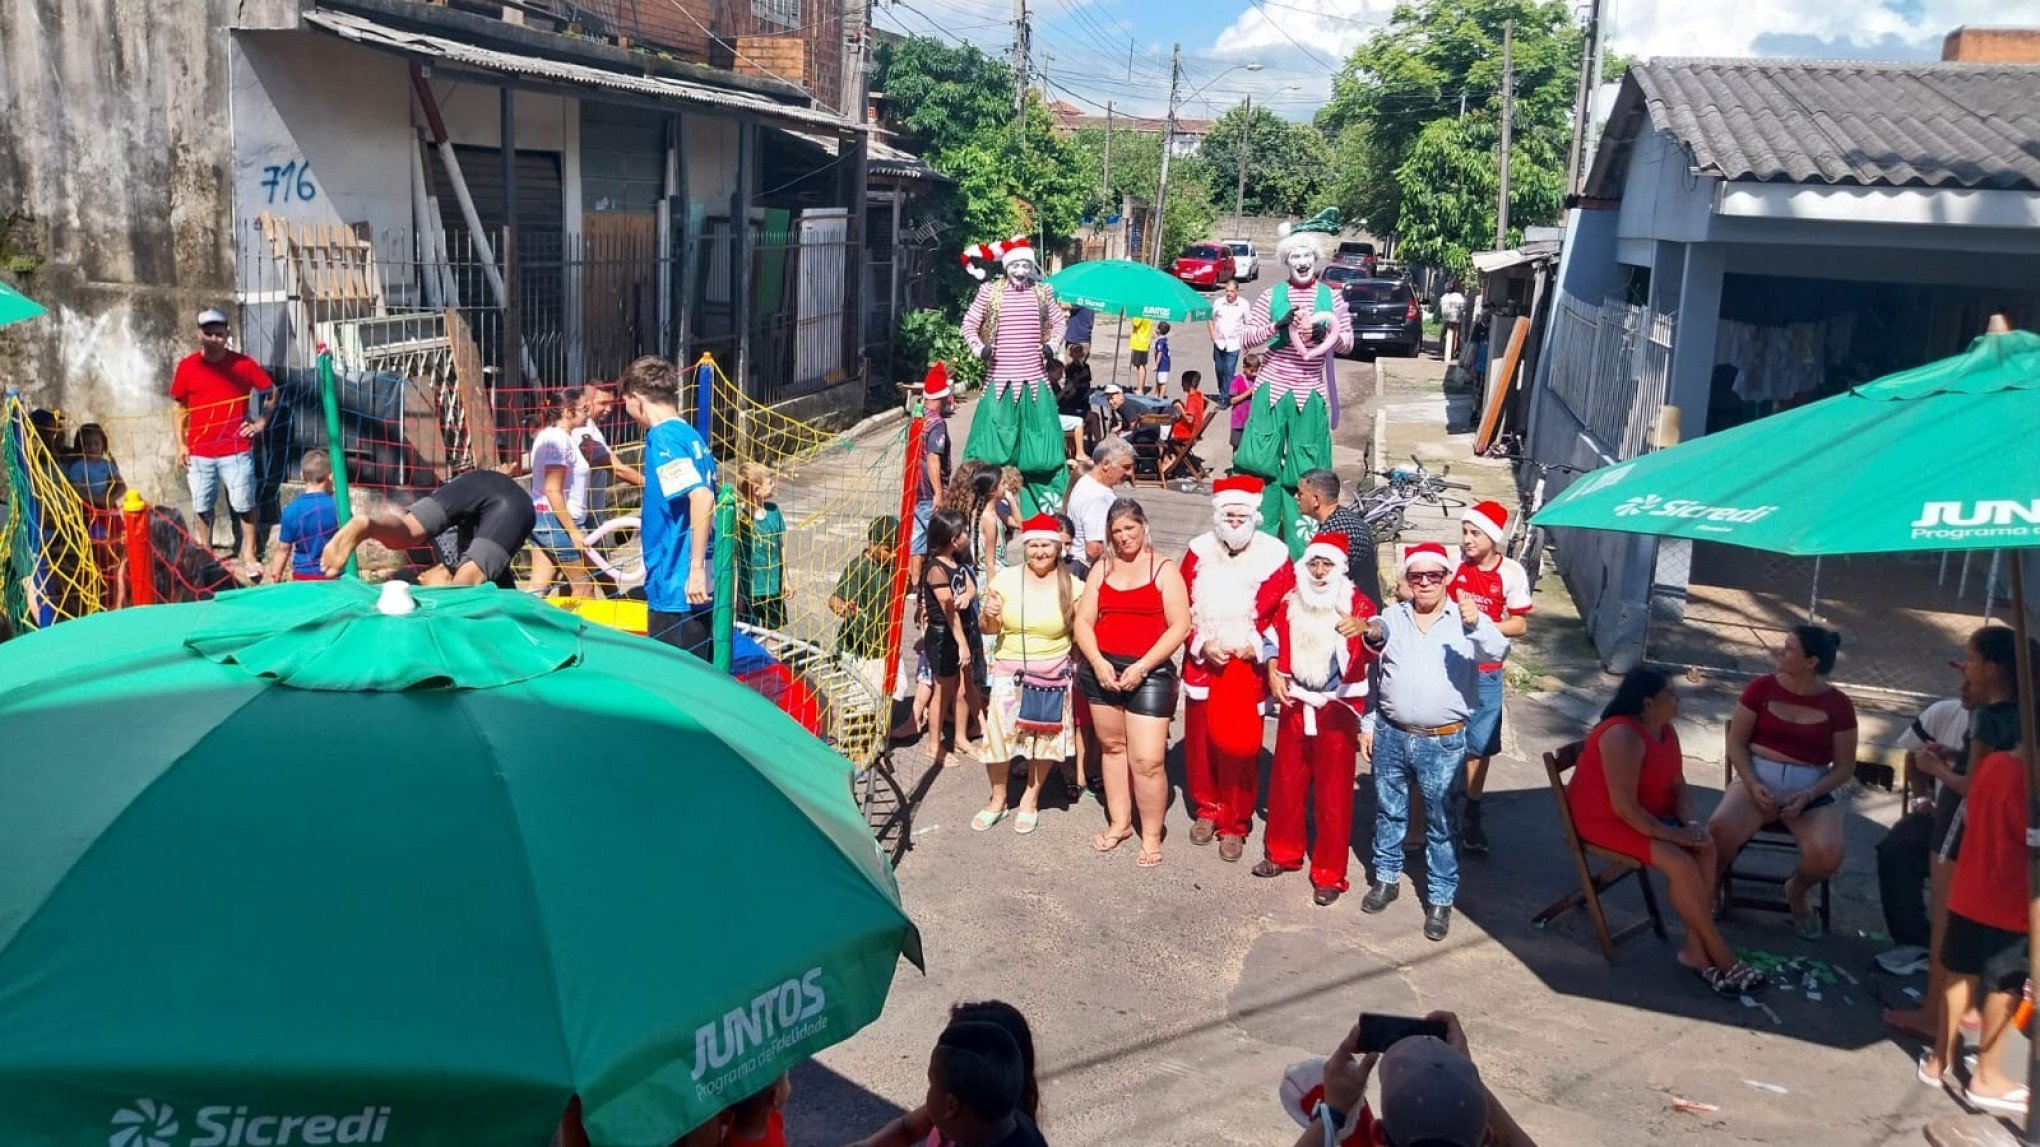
{"x": 1107, "y": 841}
{"x": 1149, "y": 859}
{"x": 1920, "y": 1073}
{"x": 1729, "y": 983}
{"x": 985, "y": 819}
{"x": 2012, "y": 1103}
{"x": 1025, "y": 822}
{"x": 1807, "y": 924}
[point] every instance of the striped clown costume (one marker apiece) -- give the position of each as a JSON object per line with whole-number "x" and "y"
{"x": 1014, "y": 322}
{"x": 1301, "y": 325}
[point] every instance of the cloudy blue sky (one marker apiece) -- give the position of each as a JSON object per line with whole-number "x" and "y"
{"x": 1117, "y": 50}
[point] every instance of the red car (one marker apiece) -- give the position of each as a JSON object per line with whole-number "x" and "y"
{"x": 1204, "y": 265}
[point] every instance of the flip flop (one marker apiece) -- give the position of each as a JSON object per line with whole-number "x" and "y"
{"x": 1148, "y": 859}
{"x": 1104, "y": 842}
{"x": 2012, "y": 1103}
{"x": 1920, "y": 1073}
{"x": 1807, "y": 924}
{"x": 1024, "y": 822}
{"x": 984, "y": 820}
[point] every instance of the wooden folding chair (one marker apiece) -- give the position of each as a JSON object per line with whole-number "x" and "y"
{"x": 1177, "y": 451}
{"x": 1774, "y": 839}
{"x": 1616, "y": 867}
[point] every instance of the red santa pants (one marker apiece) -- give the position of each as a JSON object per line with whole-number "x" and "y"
{"x": 1320, "y": 767}
{"x": 1221, "y": 784}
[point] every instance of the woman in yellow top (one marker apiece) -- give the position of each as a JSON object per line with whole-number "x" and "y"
{"x": 1028, "y": 608}
{"x": 1143, "y": 338}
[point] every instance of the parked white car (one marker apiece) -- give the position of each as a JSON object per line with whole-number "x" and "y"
{"x": 1246, "y": 260}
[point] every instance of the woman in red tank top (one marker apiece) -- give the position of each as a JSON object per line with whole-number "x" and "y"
{"x": 1629, "y": 794}
{"x": 1133, "y": 616}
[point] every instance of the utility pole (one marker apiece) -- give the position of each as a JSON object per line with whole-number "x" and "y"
{"x": 1583, "y": 100}
{"x": 1508, "y": 110}
{"x": 1020, "y": 61}
{"x": 1107, "y": 181}
{"x": 1168, "y": 145}
{"x": 1239, "y": 203}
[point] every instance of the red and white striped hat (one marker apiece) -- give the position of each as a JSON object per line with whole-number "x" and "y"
{"x": 1331, "y": 546}
{"x": 1040, "y": 528}
{"x": 1490, "y": 518}
{"x": 976, "y": 259}
{"x": 1237, "y": 490}
{"x": 1423, "y": 552}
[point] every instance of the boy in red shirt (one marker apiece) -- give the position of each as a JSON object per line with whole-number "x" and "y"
{"x": 1501, "y": 589}
{"x": 1985, "y": 939}
{"x": 216, "y": 422}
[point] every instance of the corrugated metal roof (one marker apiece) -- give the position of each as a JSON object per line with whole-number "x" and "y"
{"x": 1848, "y": 122}
{"x": 376, "y": 35}
{"x": 882, "y": 158}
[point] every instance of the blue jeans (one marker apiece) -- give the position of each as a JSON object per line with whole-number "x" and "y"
{"x": 1225, "y": 364}
{"x": 1484, "y": 724}
{"x": 1438, "y": 765}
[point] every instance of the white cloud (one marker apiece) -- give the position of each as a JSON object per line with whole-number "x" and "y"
{"x": 1646, "y": 28}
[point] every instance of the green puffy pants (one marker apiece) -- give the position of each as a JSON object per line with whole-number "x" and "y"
{"x": 1021, "y": 428}
{"x": 1281, "y": 442}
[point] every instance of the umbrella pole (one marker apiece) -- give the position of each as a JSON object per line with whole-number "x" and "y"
{"x": 1118, "y": 342}
{"x": 329, "y": 397}
{"x": 2023, "y": 653}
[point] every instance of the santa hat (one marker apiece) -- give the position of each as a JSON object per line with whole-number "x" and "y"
{"x": 1016, "y": 248}
{"x": 1237, "y": 490}
{"x": 1426, "y": 552}
{"x": 1489, "y": 518}
{"x": 935, "y": 387}
{"x": 1331, "y": 547}
{"x": 976, "y": 259}
{"x": 1040, "y": 528}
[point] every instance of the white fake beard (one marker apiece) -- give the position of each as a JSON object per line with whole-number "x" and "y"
{"x": 1230, "y": 536}
{"x": 1314, "y": 639}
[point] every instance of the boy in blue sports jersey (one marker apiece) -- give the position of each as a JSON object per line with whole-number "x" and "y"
{"x": 679, "y": 507}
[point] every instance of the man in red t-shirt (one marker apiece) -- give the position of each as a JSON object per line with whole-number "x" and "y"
{"x": 1500, "y": 589}
{"x": 217, "y": 417}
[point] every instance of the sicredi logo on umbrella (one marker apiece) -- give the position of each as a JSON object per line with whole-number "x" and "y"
{"x": 1998, "y": 519}
{"x": 148, "y": 1123}
{"x": 1651, "y": 505}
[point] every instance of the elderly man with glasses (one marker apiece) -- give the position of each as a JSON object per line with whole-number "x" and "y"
{"x": 1429, "y": 652}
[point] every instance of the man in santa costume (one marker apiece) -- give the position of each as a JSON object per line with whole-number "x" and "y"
{"x": 1500, "y": 588}
{"x": 1319, "y": 681}
{"x": 1015, "y": 324}
{"x": 1302, "y": 326}
{"x": 1237, "y": 577}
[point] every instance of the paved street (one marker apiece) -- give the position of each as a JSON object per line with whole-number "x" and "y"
{"x": 1167, "y": 1003}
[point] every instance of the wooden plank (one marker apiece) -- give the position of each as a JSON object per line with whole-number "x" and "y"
{"x": 473, "y": 388}
{"x": 1499, "y": 385}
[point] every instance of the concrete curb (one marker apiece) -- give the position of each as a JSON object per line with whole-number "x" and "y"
{"x": 866, "y": 427}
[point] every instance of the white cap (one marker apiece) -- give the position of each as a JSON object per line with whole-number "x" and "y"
{"x": 396, "y": 599}
{"x": 1114, "y": 388}
{"x": 212, "y": 316}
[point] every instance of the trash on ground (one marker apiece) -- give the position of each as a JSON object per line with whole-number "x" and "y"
{"x": 1773, "y": 1088}
{"x": 1693, "y": 1106}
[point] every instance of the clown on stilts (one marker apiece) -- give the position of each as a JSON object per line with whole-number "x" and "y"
{"x": 1016, "y": 325}
{"x": 1303, "y": 325}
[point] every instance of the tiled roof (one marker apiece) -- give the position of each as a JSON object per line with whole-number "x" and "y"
{"x": 1836, "y": 122}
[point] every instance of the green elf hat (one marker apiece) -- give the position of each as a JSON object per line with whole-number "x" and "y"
{"x": 1325, "y": 222}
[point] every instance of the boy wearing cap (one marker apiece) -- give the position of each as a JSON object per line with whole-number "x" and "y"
{"x": 1500, "y": 589}
{"x": 1426, "y": 686}
{"x": 1319, "y": 682}
{"x": 216, "y": 414}
{"x": 1432, "y": 1095}
{"x": 1016, "y": 325}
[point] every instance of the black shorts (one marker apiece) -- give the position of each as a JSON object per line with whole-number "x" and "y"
{"x": 1997, "y": 956}
{"x": 938, "y": 644}
{"x": 1154, "y": 697}
{"x": 688, "y": 632}
{"x": 1139, "y": 357}
{"x": 490, "y": 515}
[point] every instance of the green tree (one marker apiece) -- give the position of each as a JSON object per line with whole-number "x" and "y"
{"x": 1136, "y": 172}
{"x": 1450, "y": 179}
{"x": 1289, "y": 165}
{"x": 1432, "y": 60}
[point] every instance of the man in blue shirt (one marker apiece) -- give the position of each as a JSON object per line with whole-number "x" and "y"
{"x": 679, "y": 506}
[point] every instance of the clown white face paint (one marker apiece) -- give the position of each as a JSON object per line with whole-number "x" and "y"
{"x": 1022, "y": 271}
{"x": 1302, "y": 260}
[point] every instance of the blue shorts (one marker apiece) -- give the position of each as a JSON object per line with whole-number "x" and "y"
{"x": 234, "y": 471}
{"x": 919, "y": 544}
{"x": 547, "y": 534}
{"x": 1484, "y": 724}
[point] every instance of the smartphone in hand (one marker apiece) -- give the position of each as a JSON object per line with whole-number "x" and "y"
{"x": 1379, "y": 1032}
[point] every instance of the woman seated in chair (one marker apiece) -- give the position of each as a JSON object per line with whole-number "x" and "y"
{"x": 1629, "y": 795}
{"x": 1791, "y": 744}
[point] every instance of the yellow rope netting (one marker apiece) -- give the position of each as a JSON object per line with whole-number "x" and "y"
{"x": 52, "y": 570}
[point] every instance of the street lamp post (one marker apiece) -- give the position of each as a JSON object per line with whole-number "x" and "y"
{"x": 1169, "y": 134}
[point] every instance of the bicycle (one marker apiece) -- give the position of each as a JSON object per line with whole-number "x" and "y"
{"x": 1528, "y": 544}
{"x": 1383, "y": 508}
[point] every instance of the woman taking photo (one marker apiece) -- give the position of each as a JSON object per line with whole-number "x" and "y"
{"x": 1133, "y": 616}
{"x": 949, "y": 611}
{"x": 1029, "y": 609}
{"x": 559, "y": 496}
{"x": 1629, "y": 795}
{"x": 1791, "y": 743}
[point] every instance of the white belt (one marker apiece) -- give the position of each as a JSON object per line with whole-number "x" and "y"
{"x": 1312, "y": 700}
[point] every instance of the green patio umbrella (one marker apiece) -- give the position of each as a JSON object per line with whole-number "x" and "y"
{"x": 288, "y": 864}
{"x": 1942, "y": 457}
{"x": 1123, "y": 287}
{"x": 15, "y": 306}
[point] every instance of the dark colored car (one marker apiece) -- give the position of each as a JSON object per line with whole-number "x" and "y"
{"x": 1356, "y": 253}
{"x": 1386, "y": 317}
{"x": 1208, "y": 265}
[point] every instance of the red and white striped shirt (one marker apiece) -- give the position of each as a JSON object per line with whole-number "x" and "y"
{"x": 1016, "y": 351}
{"x": 1285, "y": 370}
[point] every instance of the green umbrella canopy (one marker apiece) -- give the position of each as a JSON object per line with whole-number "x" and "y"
{"x": 284, "y": 863}
{"x": 1123, "y": 287}
{"x": 1942, "y": 457}
{"x": 15, "y": 306}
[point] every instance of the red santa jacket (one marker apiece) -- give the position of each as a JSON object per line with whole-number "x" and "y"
{"x": 1347, "y": 659}
{"x": 1233, "y": 597}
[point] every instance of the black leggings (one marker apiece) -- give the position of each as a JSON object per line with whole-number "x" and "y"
{"x": 688, "y": 632}
{"x": 1155, "y": 696}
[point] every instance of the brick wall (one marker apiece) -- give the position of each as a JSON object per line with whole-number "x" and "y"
{"x": 1992, "y": 46}
{"x": 796, "y": 40}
